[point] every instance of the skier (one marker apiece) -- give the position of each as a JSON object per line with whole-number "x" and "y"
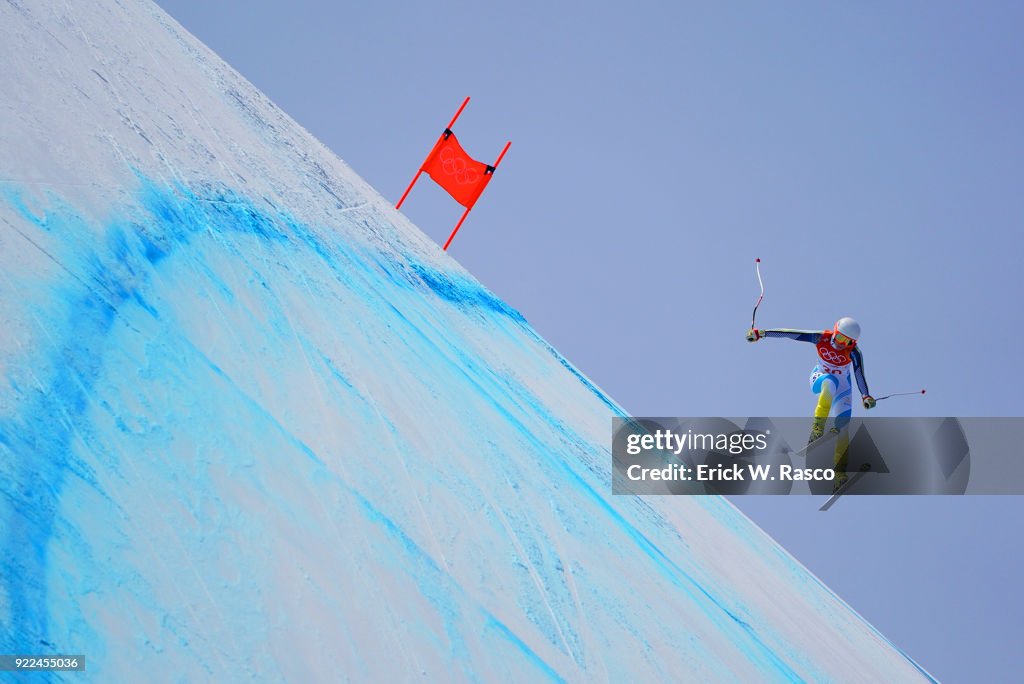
{"x": 830, "y": 380}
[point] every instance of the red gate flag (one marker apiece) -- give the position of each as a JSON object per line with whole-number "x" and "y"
{"x": 460, "y": 175}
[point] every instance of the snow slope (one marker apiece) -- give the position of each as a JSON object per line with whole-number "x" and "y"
{"x": 253, "y": 424}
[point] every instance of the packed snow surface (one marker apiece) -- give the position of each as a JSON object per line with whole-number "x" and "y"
{"x": 255, "y": 425}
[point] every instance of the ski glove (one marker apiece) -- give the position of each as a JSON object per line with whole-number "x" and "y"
{"x": 869, "y": 401}
{"x": 753, "y": 335}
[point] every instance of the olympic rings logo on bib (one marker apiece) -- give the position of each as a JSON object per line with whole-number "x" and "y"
{"x": 833, "y": 356}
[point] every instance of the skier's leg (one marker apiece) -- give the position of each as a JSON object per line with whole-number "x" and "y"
{"x": 824, "y": 405}
{"x": 841, "y": 412}
{"x": 824, "y": 385}
{"x": 840, "y": 459}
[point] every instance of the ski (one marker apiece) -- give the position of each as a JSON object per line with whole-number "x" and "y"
{"x": 811, "y": 445}
{"x": 846, "y": 485}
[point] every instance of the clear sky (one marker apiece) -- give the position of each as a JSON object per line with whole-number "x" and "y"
{"x": 869, "y": 154}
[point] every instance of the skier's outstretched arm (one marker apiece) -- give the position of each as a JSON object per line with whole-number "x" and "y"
{"x": 862, "y": 383}
{"x": 754, "y": 334}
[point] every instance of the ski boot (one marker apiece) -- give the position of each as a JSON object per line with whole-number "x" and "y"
{"x": 817, "y": 429}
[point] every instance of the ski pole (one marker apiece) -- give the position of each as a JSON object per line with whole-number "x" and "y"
{"x": 898, "y": 394}
{"x": 757, "y": 267}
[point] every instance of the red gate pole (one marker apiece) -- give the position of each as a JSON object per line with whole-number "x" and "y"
{"x": 466, "y": 213}
{"x": 457, "y": 225}
{"x": 431, "y": 154}
{"x": 406, "y": 193}
{"x": 463, "y": 106}
{"x": 498, "y": 161}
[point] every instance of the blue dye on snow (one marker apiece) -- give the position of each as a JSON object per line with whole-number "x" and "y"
{"x": 112, "y": 265}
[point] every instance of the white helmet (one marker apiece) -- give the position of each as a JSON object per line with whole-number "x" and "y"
{"x": 849, "y": 327}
